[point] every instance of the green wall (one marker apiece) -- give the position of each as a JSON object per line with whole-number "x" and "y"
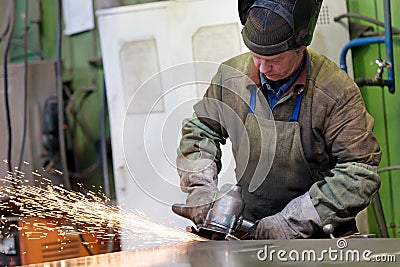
{"x": 383, "y": 106}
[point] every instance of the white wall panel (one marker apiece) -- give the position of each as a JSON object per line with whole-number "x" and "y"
{"x": 139, "y": 61}
{"x": 330, "y": 36}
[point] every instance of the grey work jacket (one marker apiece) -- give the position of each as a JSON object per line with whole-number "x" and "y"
{"x": 336, "y": 133}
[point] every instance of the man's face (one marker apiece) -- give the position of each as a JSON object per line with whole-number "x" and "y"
{"x": 279, "y": 66}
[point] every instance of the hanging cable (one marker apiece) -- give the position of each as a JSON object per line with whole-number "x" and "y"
{"x": 60, "y": 100}
{"x": 98, "y": 63}
{"x": 21, "y": 155}
{"x": 389, "y": 168}
{"x": 5, "y": 66}
{"x": 365, "y": 18}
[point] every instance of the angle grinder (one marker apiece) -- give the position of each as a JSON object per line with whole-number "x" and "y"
{"x": 224, "y": 220}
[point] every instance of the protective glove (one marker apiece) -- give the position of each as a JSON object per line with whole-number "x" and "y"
{"x": 299, "y": 219}
{"x": 198, "y": 203}
{"x": 198, "y": 178}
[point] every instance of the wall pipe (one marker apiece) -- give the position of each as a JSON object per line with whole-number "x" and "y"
{"x": 358, "y": 42}
{"x": 9, "y": 33}
{"x": 387, "y": 39}
{"x": 368, "y": 19}
{"x": 60, "y": 100}
{"x": 389, "y": 45}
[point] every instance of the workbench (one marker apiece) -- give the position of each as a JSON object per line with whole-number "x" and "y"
{"x": 325, "y": 252}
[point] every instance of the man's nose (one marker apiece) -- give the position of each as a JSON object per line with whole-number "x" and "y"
{"x": 264, "y": 67}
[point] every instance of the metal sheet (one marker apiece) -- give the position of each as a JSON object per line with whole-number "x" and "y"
{"x": 326, "y": 252}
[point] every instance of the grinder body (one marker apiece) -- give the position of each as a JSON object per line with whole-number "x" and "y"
{"x": 225, "y": 217}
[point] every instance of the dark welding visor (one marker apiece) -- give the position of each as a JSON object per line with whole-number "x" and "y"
{"x": 302, "y": 20}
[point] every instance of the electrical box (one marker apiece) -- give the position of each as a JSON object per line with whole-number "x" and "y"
{"x": 45, "y": 240}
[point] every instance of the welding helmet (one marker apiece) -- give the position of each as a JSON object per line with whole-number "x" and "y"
{"x": 274, "y": 26}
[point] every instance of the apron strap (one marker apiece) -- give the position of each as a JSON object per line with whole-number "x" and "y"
{"x": 252, "y": 106}
{"x": 296, "y": 110}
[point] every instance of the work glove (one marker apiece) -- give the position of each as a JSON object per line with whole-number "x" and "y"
{"x": 198, "y": 203}
{"x": 299, "y": 219}
{"x": 198, "y": 178}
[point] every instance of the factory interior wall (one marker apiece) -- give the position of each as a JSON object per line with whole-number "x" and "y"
{"x": 383, "y": 106}
{"x": 83, "y": 75}
{"x": 86, "y": 80}
{"x": 82, "y": 78}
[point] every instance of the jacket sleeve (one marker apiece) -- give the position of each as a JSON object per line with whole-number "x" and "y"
{"x": 199, "y": 152}
{"x": 356, "y": 153}
{"x": 340, "y": 197}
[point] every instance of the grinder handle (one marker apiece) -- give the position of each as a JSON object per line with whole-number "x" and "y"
{"x": 247, "y": 226}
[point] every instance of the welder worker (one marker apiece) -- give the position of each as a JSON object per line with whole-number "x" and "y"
{"x": 301, "y": 136}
